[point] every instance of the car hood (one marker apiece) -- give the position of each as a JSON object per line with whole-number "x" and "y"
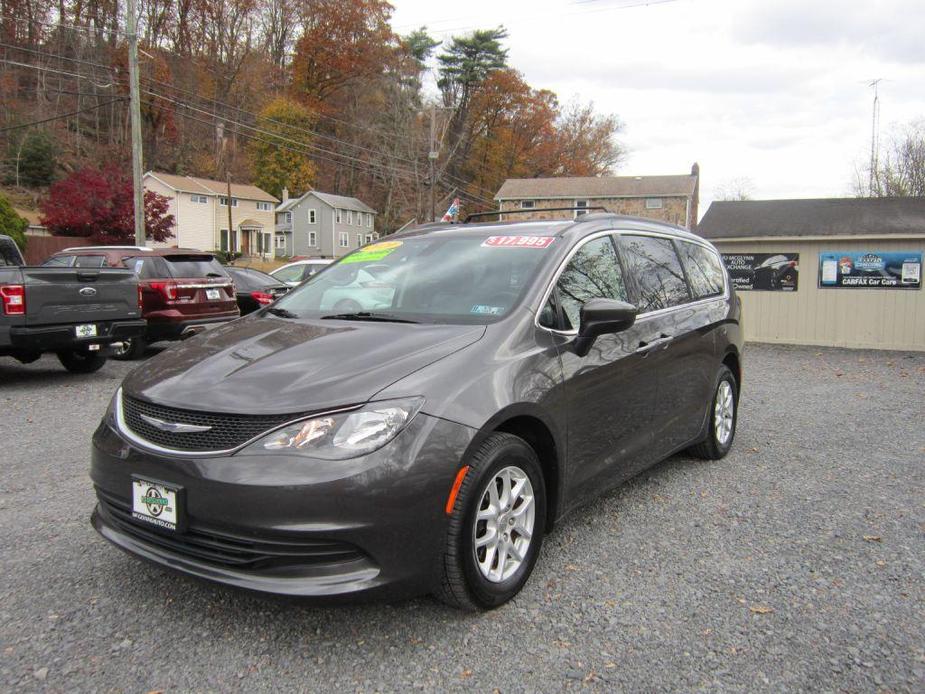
{"x": 268, "y": 365}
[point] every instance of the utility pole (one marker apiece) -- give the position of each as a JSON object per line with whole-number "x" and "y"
{"x": 432, "y": 157}
{"x": 224, "y": 157}
{"x": 874, "y": 144}
{"x": 131, "y": 33}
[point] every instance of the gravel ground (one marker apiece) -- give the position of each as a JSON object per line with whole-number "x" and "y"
{"x": 796, "y": 563}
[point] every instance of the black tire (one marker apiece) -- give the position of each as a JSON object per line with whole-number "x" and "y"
{"x": 462, "y": 583}
{"x": 80, "y": 362}
{"x": 134, "y": 349}
{"x": 712, "y": 448}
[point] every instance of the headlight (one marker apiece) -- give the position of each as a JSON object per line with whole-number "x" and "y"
{"x": 115, "y": 401}
{"x": 344, "y": 435}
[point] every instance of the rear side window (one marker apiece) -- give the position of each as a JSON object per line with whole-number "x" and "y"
{"x": 654, "y": 265}
{"x": 703, "y": 270}
{"x": 9, "y": 253}
{"x": 148, "y": 267}
{"x": 194, "y": 266}
{"x": 59, "y": 261}
{"x": 90, "y": 261}
{"x": 592, "y": 273}
{"x": 259, "y": 280}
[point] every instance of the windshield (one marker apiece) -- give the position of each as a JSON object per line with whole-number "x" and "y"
{"x": 471, "y": 279}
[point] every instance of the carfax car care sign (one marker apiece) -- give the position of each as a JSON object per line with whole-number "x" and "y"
{"x": 869, "y": 270}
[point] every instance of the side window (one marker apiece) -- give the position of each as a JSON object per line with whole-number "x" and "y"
{"x": 592, "y": 273}
{"x": 654, "y": 264}
{"x": 290, "y": 274}
{"x": 703, "y": 270}
{"x": 59, "y": 261}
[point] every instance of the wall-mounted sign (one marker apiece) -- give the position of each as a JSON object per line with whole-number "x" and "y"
{"x": 890, "y": 270}
{"x": 769, "y": 272}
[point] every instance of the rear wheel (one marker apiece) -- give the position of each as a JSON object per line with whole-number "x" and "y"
{"x": 80, "y": 362}
{"x": 723, "y": 415}
{"x": 132, "y": 348}
{"x": 496, "y": 526}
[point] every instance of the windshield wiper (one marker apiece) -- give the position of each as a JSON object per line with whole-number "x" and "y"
{"x": 281, "y": 312}
{"x": 368, "y": 316}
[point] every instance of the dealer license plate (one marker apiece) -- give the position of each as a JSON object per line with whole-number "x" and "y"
{"x": 155, "y": 503}
{"x": 213, "y": 294}
{"x": 86, "y": 330}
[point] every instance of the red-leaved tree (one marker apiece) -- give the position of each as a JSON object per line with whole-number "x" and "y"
{"x": 98, "y": 204}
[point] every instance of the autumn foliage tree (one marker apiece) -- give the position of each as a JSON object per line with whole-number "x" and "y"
{"x": 98, "y": 204}
{"x": 277, "y": 162}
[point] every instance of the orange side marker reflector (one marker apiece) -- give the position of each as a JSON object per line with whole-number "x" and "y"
{"x": 457, "y": 483}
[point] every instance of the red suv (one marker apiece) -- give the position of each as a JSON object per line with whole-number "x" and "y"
{"x": 181, "y": 291}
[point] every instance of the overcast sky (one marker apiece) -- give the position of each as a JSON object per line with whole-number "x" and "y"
{"x": 771, "y": 90}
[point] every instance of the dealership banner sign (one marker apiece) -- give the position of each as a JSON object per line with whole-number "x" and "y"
{"x": 867, "y": 270}
{"x": 768, "y": 272}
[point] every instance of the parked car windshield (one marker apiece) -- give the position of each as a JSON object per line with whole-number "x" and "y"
{"x": 247, "y": 278}
{"x": 470, "y": 279}
{"x": 187, "y": 266}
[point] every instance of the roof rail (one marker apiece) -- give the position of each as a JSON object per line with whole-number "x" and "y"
{"x": 118, "y": 248}
{"x": 598, "y": 208}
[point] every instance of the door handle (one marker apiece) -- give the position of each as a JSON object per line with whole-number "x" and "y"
{"x": 646, "y": 347}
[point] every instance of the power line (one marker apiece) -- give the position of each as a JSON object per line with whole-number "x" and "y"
{"x": 63, "y": 115}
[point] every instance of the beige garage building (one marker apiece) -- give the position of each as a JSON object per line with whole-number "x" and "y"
{"x": 843, "y": 272}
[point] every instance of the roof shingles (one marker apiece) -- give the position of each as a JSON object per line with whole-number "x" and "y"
{"x": 206, "y": 186}
{"x": 598, "y": 187}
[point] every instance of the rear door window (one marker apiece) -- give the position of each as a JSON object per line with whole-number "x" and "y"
{"x": 703, "y": 270}
{"x": 656, "y": 269}
{"x": 148, "y": 267}
{"x": 194, "y": 266}
{"x": 9, "y": 253}
{"x": 592, "y": 273}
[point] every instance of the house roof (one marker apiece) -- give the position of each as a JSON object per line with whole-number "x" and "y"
{"x": 814, "y": 217}
{"x": 207, "y": 186}
{"x": 341, "y": 201}
{"x": 598, "y": 187}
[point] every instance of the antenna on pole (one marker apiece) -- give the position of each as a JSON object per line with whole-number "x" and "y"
{"x": 874, "y": 136}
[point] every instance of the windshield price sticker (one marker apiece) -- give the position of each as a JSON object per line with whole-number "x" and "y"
{"x": 519, "y": 241}
{"x": 373, "y": 252}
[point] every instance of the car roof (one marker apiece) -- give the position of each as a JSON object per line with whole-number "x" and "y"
{"x": 586, "y": 224}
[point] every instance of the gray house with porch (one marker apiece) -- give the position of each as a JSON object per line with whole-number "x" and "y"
{"x": 322, "y": 225}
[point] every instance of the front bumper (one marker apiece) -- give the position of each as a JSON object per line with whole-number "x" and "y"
{"x": 369, "y": 527}
{"x": 51, "y": 338}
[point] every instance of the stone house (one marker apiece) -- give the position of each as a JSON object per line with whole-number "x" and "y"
{"x": 322, "y": 225}
{"x": 671, "y": 199}
{"x": 200, "y": 210}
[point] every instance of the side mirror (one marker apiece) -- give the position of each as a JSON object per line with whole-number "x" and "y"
{"x": 602, "y": 317}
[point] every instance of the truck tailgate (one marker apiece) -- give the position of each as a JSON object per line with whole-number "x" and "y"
{"x": 57, "y": 295}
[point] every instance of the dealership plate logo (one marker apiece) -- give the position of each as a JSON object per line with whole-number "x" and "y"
{"x": 174, "y": 427}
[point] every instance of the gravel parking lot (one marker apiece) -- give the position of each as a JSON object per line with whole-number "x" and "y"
{"x": 796, "y": 563}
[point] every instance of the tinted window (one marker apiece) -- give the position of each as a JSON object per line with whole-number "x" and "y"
{"x": 59, "y": 261}
{"x": 703, "y": 270}
{"x": 148, "y": 267}
{"x": 657, "y": 271}
{"x": 257, "y": 279}
{"x": 592, "y": 273}
{"x": 187, "y": 266}
{"x": 90, "y": 261}
{"x": 9, "y": 253}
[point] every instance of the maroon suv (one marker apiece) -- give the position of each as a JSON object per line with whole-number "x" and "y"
{"x": 181, "y": 291}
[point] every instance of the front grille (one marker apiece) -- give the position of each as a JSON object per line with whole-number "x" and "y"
{"x": 228, "y": 430}
{"x": 224, "y": 549}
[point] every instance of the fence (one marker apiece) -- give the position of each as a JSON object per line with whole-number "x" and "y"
{"x": 38, "y": 248}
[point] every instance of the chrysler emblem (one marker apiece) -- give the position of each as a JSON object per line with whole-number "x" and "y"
{"x": 174, "y": 427}
{"x": 88, "y": 291}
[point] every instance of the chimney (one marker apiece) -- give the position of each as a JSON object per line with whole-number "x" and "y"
{"x": 285, "y": 194}
{"x": 695, "y": 198}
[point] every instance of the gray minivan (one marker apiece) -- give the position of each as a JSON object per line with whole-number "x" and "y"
{"x": 506, "y": 374}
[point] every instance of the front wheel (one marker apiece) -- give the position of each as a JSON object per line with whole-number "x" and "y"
{"x": 80, "y": 362}
{"x": 723, "y": 414}
{"x": 496, "y": 526}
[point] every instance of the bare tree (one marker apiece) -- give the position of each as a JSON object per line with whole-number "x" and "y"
{"x": 901, "y": 169}
{"x": 738, "y": 188}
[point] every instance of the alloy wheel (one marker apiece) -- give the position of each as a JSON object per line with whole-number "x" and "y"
{"x": 504, "y": 524}
{"x": 723, "y": 412}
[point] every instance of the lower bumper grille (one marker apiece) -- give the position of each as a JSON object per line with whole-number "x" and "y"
{"x": 223, "y": 549}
